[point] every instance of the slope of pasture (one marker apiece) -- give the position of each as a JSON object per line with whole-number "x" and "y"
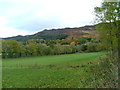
{"x": 60, "y": 71}
{"x": 51, "y": 60}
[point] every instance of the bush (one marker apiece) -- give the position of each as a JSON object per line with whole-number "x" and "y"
{"x": 74, "y": 48}
{"x": 83, "y": 47}
{"x": 94, "y": 47}
{"x": 91, "y": 47}
{"x": 105, "y": 72}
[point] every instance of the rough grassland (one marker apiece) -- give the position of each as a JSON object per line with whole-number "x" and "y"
{"x": 59, "y": 71}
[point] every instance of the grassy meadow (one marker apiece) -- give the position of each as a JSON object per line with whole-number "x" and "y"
{"x": 58, "y": 71}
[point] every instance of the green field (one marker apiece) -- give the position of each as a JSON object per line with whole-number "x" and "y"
{"x": 59, "y": 71}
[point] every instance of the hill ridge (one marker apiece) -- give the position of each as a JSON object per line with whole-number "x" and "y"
{"x": 60, "y": 33}
{"x": 66, "y": 30}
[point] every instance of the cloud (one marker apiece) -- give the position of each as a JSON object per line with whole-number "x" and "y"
{"x": 9, "y": 31}
{"x": 29, "y": 16}
{"x": 6, "y": 31}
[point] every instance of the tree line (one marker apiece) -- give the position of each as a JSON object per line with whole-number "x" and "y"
{"x": 41, "y": 47}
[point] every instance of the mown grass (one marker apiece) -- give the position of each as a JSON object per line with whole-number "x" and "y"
{"x": 60, "y": 71}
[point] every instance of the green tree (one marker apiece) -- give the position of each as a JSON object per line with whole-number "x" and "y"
{"x": 32, "y": 49}
{"x": 74, "y": 48}
{"x": 11, "y": 48}
{"x": 67, "y": 49}
{"x": 108, "y": 15}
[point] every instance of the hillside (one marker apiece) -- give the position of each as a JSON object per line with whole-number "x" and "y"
{"x": 77, "y": 31}
{"x": 61, "y": 33}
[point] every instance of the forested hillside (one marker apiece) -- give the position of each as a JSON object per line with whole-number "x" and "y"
{"x": 63, "y": 33}
{"x": 45, "y": 37}
{"x": 53, "y": 42}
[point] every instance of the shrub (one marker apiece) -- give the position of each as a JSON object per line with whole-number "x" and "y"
{"x": 91, "y": 47}
{"x": 83, "y": 47}
{"x": 105, "y": 72}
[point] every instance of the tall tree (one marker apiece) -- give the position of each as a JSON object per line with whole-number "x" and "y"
{"x": 108, "y": 15}
{"x": 11, "y": 48}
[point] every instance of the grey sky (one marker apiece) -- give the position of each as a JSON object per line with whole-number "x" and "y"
{"x": 22, "y": 17}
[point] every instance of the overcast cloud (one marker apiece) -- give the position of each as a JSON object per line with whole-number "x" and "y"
{"x": 23, "y": 17}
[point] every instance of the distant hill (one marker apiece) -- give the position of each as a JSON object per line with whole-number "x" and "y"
{"x": 61, "y": 33}
{"x": 85, "y": 31}
{"x": 68, "y": 30}
{"x": 28, "y": 37}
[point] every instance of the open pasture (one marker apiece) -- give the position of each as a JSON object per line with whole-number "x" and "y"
{"x": 59, "y": 71}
